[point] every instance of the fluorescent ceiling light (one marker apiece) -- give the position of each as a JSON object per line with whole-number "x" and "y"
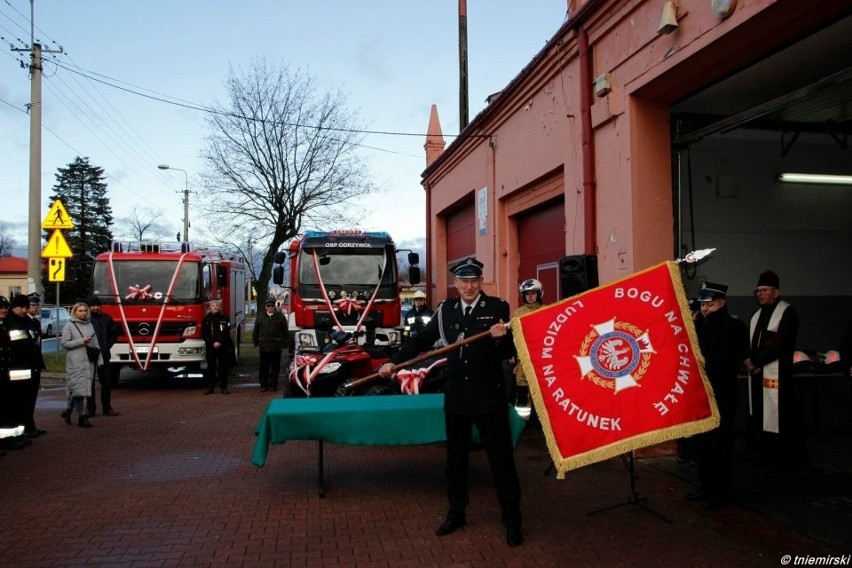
{"x": 824, "y": 179}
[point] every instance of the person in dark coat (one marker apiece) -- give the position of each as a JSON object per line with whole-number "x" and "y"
{"x": 724, "y": 344}
{"x": 25, "y": 363}
{"x": 216, "y": 331}
{"x": 106, "y": 333}
{"x": 7, "y": 412}
{"x": 269, "y": 336}
{"x": 776, "y": 420}
{"x": 475, "y": 394}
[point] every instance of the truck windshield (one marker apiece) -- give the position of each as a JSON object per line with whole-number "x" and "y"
{"x": 354, "y": 267}
{"x": 147, "y": 281}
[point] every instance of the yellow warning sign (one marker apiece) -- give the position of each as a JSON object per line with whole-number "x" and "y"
{"x": 56, "y": 270}
{"x": 57, "y": 218}
{"x": 57, "y": 247}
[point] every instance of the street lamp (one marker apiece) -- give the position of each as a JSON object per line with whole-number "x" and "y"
{"x": 185, "y": 199}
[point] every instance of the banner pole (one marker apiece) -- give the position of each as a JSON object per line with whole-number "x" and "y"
{"x": 428, "y": 355}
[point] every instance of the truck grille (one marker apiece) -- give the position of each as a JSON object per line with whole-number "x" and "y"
{"x": 146, "y": 330}
{"x": 371, "y": 321}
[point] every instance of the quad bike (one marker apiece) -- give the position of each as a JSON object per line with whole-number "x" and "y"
{"x": 346, "y": 368}
{"x": 343, "y": 361}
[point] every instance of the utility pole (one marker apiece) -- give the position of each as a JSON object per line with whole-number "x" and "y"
{"x": 185, "y": 199}
{"x": 463, "y": 96}
{"x": 34, "y": 222}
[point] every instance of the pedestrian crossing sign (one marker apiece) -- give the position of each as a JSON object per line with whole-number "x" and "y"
{"x": 57, "y": 218}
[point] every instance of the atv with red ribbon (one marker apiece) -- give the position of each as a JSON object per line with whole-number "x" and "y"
{"x": 344, "y": 361}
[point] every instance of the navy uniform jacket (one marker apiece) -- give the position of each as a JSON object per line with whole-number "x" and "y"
{"x": 216, "y": 327}
{"x": 475, "y": 382}
{"x": 24, "y": 348}
{"x": 724, "y": 344}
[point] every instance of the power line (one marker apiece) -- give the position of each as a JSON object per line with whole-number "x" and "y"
{"x": 111, "y": 82}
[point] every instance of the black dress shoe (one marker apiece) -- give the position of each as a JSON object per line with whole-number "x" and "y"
{"x": 716, "y": 503}
{"x": 514, "y": 536}
{"x": 695, "y": 496}
{"x": 14, "y": 443}
{"x": 450, "y": 525}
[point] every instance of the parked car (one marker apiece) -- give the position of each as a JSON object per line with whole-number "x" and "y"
{"x": 48, "y": 321}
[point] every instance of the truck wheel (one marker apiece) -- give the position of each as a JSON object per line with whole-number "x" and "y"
{"x": 382, "y": 389}
{"x": 291, "y": 391}
{"x": 343, "y": 391}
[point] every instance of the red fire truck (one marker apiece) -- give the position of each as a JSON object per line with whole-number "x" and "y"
{"x": 157, "y": 296}
{"x": 342, "y": 281}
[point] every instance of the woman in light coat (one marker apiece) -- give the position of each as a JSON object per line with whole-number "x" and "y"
{"x": 79, "y": 371}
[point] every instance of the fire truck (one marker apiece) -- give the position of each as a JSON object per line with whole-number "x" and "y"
{"x": 342, "y": 281}
{"x": 157, "y": 295}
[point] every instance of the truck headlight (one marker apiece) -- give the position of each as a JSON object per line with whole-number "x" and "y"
{"x": 306, "y": 340}
{"x": 190, "y": 331}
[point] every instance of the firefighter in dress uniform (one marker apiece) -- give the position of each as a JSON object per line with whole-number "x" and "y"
{"x": 475, "y": 393}
{"x": 216, "y": 331}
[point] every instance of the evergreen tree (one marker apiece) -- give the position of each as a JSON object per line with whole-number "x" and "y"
{"x": 82, "y": 190}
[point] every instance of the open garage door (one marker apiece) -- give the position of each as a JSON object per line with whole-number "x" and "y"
{"x": 790, "y": 112}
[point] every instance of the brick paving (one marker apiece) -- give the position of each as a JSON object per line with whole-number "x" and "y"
{"x": 169, "y": 483}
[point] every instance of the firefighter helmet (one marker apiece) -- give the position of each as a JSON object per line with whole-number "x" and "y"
{"x": 802, "y": 361}
{"x": 531, "y": 285}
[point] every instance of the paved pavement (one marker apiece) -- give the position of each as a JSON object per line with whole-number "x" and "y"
{"x": 169, "y": 483}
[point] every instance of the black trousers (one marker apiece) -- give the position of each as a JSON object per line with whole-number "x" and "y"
{"x": 496, "y": 435}
{"x": 19, "y": 404}
{"x": 788, "y": 448}
{"x": 270, "y": 368}
{"x": 217, "y": 369}
{"x": 34, "y": 384}
{"x": 104, "y": 377}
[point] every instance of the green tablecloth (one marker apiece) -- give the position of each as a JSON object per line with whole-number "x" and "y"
{"x": 363, "y": 420}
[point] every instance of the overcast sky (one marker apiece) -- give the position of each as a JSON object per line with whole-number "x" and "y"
{"x": 393, "y": 60}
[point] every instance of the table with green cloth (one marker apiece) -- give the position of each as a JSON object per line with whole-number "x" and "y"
{"x": 395, "y": 420}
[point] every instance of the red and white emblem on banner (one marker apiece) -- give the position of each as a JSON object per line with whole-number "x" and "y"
{"x": 616, "y": 368}
{"x": 615, "y": 355}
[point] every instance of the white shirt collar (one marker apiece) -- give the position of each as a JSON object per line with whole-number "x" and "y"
{"x": 472, "y": 304}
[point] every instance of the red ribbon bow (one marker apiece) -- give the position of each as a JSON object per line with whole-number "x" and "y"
{"x": 348, "y": 304}
{"x": 138, "y": 292}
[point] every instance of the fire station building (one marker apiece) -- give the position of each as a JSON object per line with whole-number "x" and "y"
{"x": 648, "y": 128}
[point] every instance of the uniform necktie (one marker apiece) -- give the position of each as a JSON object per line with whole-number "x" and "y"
{"x": 467, "y": 311}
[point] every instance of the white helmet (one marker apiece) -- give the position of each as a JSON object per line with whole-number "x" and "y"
{"x": 531, "y": 285}
{"x": 419, "y": 294}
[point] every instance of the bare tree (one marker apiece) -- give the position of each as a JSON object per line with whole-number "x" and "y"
{"x": 144, "y": 220}
{"x": 280, "y": 157}
{"x": 7, "y": 241}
